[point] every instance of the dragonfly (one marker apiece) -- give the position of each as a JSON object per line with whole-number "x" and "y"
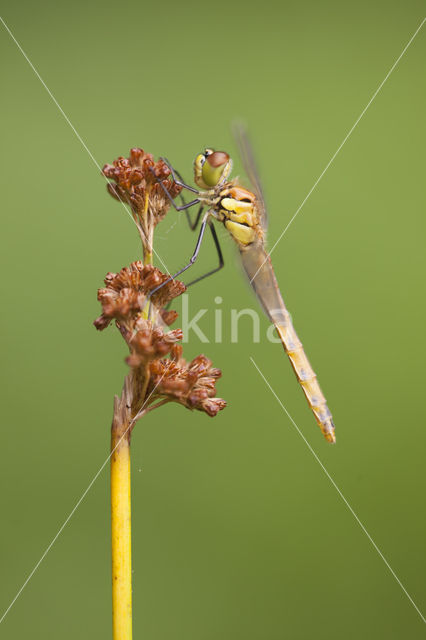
{"x": 243, "y": 214}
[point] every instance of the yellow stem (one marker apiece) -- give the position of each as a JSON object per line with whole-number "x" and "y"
{"x": 121, "y": 527}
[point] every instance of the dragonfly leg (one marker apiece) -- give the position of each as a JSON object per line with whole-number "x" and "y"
{"x": 172, "y": 202}
{"x": 181, "y": 181}
{"x": 188, "y": 217}
{"x": 194, "y": 225}
{"x": 193, "y": 257}
{"x": 183, "y": 201}
{"x": 219, "y": 254}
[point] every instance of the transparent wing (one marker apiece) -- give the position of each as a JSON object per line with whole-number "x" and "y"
{"x": 258, "y": 267}
{"x": 247, "y": 158}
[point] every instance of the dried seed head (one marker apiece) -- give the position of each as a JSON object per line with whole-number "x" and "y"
{"x": 125, "y": 294}
{"x": 158, "y": 373}
{"x": 168, "y": 316}
{"x": 190, "y": 384}
{"x": 150, "y": 343}
{"x": 136, "y": 178}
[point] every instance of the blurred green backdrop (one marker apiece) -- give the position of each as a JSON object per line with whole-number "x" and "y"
{"x": 238, "y": 533}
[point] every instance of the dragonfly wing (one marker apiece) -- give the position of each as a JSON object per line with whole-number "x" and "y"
{"x": 258, "y": 267}
{"x": 247, "y": 158}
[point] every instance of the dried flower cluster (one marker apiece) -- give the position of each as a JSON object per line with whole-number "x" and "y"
{"x": 191, "y": 384}
{"x": 154, "y": 377}
{"x": 158, "y": 372}
{"x": 126, "y": 295}
{"x": 135, "y": 182}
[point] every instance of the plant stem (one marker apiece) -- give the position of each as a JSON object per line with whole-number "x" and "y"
{"x": 121, "y": 527}
{"x": 147, "y": 245}
{"x": 147, "y": 249}
{"x": 121, "y": 523}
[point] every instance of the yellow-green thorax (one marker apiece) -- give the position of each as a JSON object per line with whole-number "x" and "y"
{"x": 237, "y": 209}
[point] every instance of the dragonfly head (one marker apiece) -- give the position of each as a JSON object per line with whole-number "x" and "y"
{"x": 211, "y": 168}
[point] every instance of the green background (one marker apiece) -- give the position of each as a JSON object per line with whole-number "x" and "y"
{"x": 238, "y": 533}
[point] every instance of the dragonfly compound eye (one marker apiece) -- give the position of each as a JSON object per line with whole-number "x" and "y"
{"x": 215, "y": 168}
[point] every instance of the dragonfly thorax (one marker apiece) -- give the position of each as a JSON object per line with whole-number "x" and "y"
{"x": 237, "y": 208}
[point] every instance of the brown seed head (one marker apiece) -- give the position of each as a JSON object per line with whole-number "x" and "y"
{"x": 137, "y": 176}
{"x": 150, "y": 343}
{"x": 158, "y": 373}
{"x": 190, "y": 384}
{"x": 125, "y": 293}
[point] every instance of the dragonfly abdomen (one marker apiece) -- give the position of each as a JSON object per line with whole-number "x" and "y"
{"x": 307, "y": 378}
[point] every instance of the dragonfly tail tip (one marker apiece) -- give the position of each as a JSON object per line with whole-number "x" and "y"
{"x": 328, "y": 431}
